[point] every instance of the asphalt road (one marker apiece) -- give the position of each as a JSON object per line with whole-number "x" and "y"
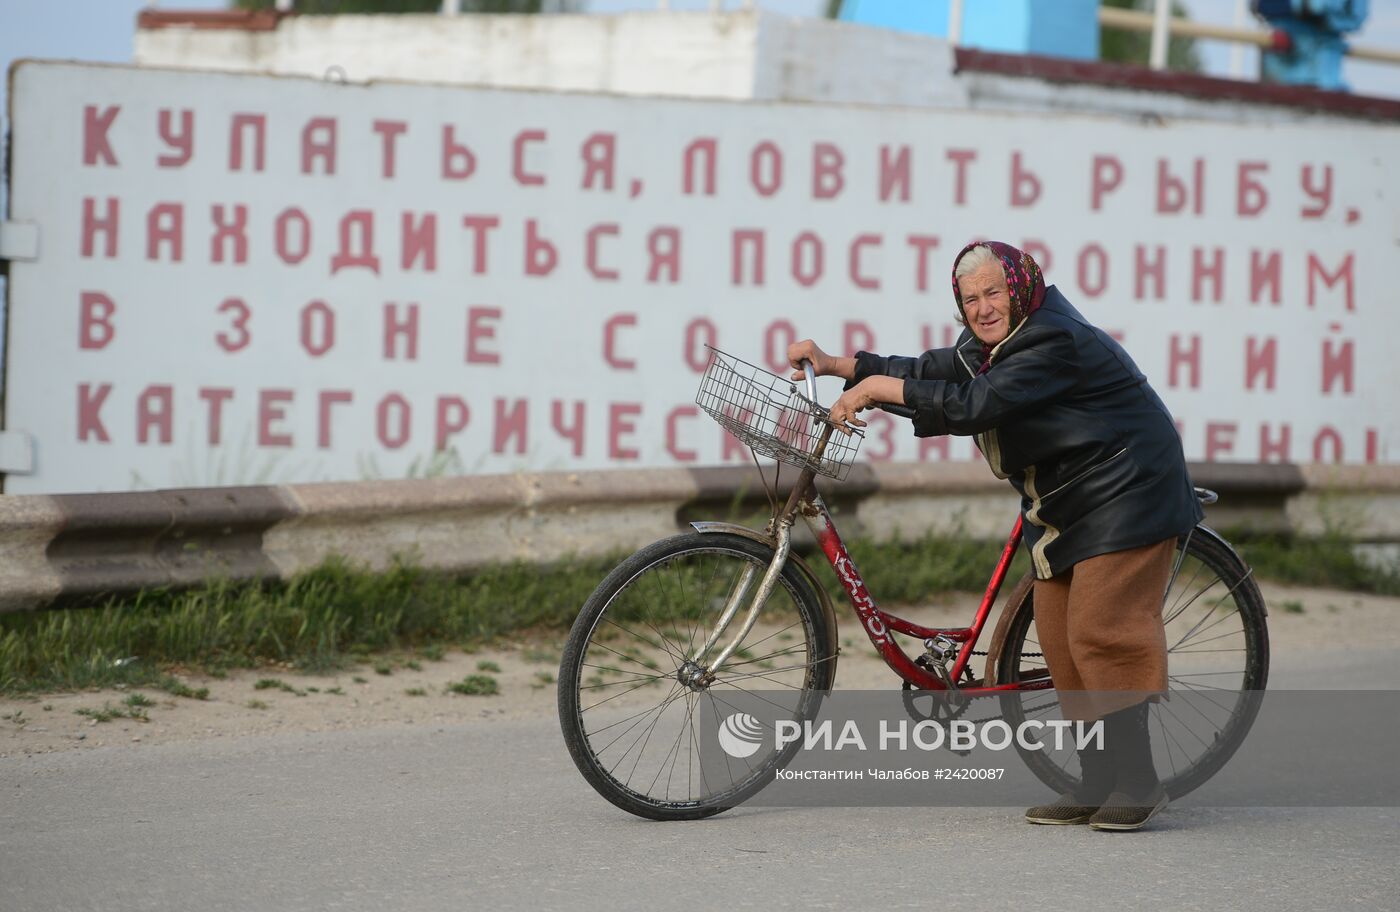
{"x": 493, "y": 815}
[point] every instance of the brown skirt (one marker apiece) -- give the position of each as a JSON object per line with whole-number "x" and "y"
{"x": 1100, "y": 627}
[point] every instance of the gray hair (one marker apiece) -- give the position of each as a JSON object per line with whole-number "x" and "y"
{"x": 975, "y": 259}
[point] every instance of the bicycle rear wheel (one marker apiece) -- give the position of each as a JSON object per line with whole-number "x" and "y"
{"x": 630, "y": 720}
{"x": 1217, "y": 668}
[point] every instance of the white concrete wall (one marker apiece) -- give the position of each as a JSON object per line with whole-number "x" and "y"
{"x": 731, "y": 55}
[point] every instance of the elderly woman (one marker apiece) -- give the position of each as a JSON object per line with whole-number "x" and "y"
{"x": 1059, "y": 409}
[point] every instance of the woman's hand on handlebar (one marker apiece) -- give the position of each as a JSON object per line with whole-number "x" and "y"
{"x": 823, "y": 365}
{"x": 867, "y": 394}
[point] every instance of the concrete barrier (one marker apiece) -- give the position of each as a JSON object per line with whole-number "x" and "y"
{"x": 56, "y": 547}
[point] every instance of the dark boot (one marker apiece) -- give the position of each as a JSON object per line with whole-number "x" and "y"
{"x": 1079, "y": 805}
{"x": 1137, "y": 792}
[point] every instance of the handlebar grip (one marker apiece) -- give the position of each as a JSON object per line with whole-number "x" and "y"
{"x": 899, "y": 411}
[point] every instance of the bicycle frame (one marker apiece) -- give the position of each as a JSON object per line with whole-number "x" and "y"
{"x": 878, "y": 624}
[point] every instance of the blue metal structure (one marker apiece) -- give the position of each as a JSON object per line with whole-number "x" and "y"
{"x": 1060, "y": 28}
{"x": 1314, "y": 29}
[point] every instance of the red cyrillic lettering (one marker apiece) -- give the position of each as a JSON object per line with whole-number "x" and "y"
{"x": 1321, "y": 195}
{"x": 108, "y": 225}
{"x": 598, "y": 272}
{"x": 880, "y": 426}
{"x": 1172, "y": 193}
{"x": 96, "y": 148}
{"x": 517, "y": 166}
{"x": 511, "y": 424}
{"x": 1220, "y": 439}
{"x": 347, "y": 257}
{"x": 325, "y": 400}
{"x": 1188, "y": 357}
{"x": 155, "y": 409}
{"x": 960, "y": 158}
{"x": 1201, "y": 272}
{"x": 1251, "y": 196}
{"x": 1260, "y": 359}
{"x": 1025, "y": 186}
{"x": 610, "y": 341}
{"x": 777, "y": 336}
{"x": 90, "y": 404}
{"x": 216, "y": 396}
{"x": 541, "y": 256}
{"x": 452, "y": 418}
{"x": 1338, "y": 363}
{"x": 419, "y": 241}
{"x": 1344, "y": 274}
{"x": 1143, "y": 269}
{"x": 894, "y": 174}
{"x": 165, "y": 223}
{"x": 95, "y": 327}
{"x": 700, "y": 336}
{"x": 766, "y": 168}
{"x": 225, "y": 230}
{"x": 1271, "y": 450}
{"x": 389, "y": 132}
{"x": 480, "y": 226}
{"x": 240, "y": 336}
{"x": 857, "y": 336}
{"x": 318, "y": 141}
{"x": 923, "y": 245}
{"x": 570, "y": 432}
{"x": 393, "y": 421}
{"x": 1264, "y": 274}
{"x": 828, "y": 171}
{"x": 1093, "y": 270}
{"x": 673, "y": 435}
{"x": 314, "y": 316}
{"x": 859, "y": 278}
{"x": 943, "y": 446}
{"x": 667, "y": 256}
{"x": 807, "y": 269}
{"x": 599, "y": 153}
{"x": 620, "y": 415}
{"x": 1108, "y": 175}
{"x": 755, "y": 239}
{"x": 182, "y": 141}
{"x": 396, "y": 328}
{"x": 481, "y": 327}
{"x": 458, "y": 161}
{"x": 236, "y": 134}
{"x": 1327, "y": 437}
{"x": 283, "y": 225}
{"x": 709, "y": 147}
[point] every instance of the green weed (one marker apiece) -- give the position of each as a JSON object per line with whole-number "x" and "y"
{"x": 476, "y": 685}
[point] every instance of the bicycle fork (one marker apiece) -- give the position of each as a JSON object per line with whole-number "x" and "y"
{"x": 696, "y": 673}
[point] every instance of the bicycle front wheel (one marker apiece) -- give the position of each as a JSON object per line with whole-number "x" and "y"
{"x": 629, "y": 707}
{"x": 1217, "y": 668}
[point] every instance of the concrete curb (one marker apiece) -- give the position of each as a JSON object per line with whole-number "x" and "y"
{"x": 59, "y": 546}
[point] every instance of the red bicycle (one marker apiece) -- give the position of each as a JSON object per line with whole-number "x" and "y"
{"x": 726, "y": 609}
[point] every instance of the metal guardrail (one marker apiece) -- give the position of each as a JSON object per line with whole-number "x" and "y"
{"x": 56, "y": 547}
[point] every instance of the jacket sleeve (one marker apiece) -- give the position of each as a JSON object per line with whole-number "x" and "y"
{"x": 938, "y": 364}
{"x": 1038, "y": 371}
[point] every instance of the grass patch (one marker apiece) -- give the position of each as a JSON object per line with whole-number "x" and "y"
{"x": 337, "y": 614}
{"x": 258, "y": 704}
{"x": 488, "y": 666}
{"x": 278, "y": 684}
{"x": 108, "y": 712}
{"x": 475, "y": 685}
{"x": 542, "y": 680}
{"x": 415, "y": 692}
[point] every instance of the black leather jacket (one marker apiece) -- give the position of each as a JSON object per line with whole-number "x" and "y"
{"x": 1066, "y": 416}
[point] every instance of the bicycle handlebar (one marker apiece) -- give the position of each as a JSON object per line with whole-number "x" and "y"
{"x": 811, "y": 380}
{"x": 899, "y": 411}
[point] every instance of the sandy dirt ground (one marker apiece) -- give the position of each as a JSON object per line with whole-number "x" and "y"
{"x": 416, "y": 689}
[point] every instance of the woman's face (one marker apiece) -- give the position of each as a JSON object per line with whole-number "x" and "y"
{"x": 987, "y": 303}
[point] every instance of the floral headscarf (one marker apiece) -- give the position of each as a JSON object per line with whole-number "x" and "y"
{"x": 1023, "y": 281}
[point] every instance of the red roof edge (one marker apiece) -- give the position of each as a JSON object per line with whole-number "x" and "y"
{"x": 239, "y": 20}
{"x": 1126, "y": 76}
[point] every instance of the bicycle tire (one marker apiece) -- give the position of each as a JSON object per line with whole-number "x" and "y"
{"x": 679, "y": 584}
{"x": 1184, "y": 764}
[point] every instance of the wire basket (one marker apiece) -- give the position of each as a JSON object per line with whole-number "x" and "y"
{"x": 768, "y": 413}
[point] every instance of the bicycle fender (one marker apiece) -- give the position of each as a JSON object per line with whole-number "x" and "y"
{"x": 828, "y": 610}
{"x": 1008, "y": 611}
